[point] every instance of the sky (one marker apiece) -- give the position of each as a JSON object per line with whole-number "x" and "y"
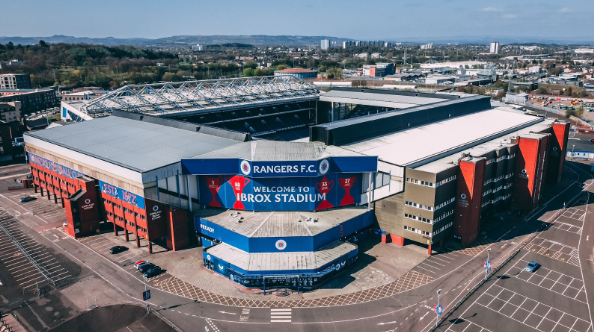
{"x": 390, "y": 20}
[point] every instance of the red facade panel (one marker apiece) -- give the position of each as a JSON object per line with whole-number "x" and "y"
{"x": 469, "y": 199}
{"x": 531, "y": 164}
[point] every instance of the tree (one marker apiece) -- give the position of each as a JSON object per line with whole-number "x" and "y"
{"x": 281, "y": 67}
{"x": 569, "y": 91}
{"x": 248, "y": 72}
{"x": 43, "y": 44}
{"x": 542, "y": 90}
{"x": 251, "y": 64}
{"x": 257, "y": 72}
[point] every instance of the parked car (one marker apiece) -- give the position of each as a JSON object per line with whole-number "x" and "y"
{"x": 592, "y": 140}
{"x": 138, "y": 263}
{"x": 153, "y": 271}
{"x": 145, "y": 266}
{"x": 118, "y": 249}
{"x": 532, "y": 266}
{"x": 27, "y": 199}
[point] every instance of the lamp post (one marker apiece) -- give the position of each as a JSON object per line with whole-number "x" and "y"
{"x": 487, "y": 264}
{"x": 437, "y": 308}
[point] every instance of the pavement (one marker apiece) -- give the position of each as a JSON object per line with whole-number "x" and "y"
{"x": 393, "y": 300}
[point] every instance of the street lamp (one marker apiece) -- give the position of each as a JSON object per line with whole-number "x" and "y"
{"x": 487, "y": 264}
{"x": 437, "y": 308}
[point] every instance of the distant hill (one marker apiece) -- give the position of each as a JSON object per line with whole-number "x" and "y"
{"x": 258, "y": 40}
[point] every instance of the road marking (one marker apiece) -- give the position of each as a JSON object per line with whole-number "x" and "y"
{"x": 280, "y": 315}
{"x": 227, "y": 312}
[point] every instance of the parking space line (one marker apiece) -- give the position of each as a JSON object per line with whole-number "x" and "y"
{"x": 435, "y": 263}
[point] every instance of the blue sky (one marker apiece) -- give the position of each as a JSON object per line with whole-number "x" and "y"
{"x": 410, "y": 20}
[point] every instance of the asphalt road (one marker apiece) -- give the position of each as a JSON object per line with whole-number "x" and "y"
{"x": 407, "y": 311}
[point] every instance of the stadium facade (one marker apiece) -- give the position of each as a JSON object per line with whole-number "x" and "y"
{"x": 414, "y": 167}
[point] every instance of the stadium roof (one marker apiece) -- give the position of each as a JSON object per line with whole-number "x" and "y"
{"x": 423, "y": 144}
{"x": 191, "y": 97}
{"x": 136, "y": 145}
{"x": 397, "y": 101}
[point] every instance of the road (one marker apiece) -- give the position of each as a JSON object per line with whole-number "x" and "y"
{"x": 410, "y": 310}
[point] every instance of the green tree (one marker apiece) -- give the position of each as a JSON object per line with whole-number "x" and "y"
{"x": 248, "y": 72}
{"x": 281, "y": 67}
{"x": 257, "y": 72}
{"x": 542, "y": 90}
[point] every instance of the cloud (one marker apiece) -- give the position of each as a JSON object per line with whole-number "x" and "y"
{"x": 490, "y": 9}
{"x": 565, "y": 10}
{"x": 510, "y": 16}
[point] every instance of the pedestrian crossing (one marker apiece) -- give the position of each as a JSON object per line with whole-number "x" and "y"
{"x": 280, "y": 315}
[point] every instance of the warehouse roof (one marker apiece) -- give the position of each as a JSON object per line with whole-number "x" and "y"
{"x": 136, "y": 145}
{"x": 281, "y": 261}
{"x": 280, "y": 224}
{"x": 423, "y": 144}
{"x": 269, "y": 150}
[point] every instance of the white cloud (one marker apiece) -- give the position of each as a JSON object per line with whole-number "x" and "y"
{"x": 565, "y": 10}
{"x": 510, "y": 16}
{"x": 490, "y": 9}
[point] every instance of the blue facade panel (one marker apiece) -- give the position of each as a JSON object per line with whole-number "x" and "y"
{"x": 122, "y": 194}
{"x": 62, "y": 170}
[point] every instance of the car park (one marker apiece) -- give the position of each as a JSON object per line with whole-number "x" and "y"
{"x": 27, "y": 199}
{"x": 532, "y": 266}
{"x": 118, "y": 249}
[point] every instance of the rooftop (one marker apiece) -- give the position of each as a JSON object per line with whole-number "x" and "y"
{"x": 136, "y": 145}
{"x": 269, "y": 150}
{"x": 281, "y": 261}
{"x": 413, "y": 147}
{"x": 479, "y": 150}
{"x": 280, "y": 224}
{"x": 381, "y": 99}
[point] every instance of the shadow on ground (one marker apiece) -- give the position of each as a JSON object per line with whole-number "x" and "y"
{"x": 115, "y": 318}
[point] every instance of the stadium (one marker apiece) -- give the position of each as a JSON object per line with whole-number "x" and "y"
{"x": 279, "y": 182}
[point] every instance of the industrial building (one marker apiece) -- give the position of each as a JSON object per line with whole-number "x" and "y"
{"x": 32, "y": 100}
{"x": 416, "y": 168}
{"x": 299, "y": 73}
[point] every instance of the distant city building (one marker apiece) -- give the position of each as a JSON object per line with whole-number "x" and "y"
{"x": 325, "y": 44}
{"x": 15, "y": 81}
{"x": 300, "y": 73}
{"x": 347, "y": 44}
{"x": 14, "y": 62}
{"x": 427, "y": 46}
{"x": 494, "y": 48}
{"x": 32, "y": 100}
{"x": 584, "y": 51}
{"x": 198, "y": 47}
{"x": 10, "y": 111}
{"x": 378, "y": 70}
{"x": 82, "y": 95}
{"x": 535, "y": 69}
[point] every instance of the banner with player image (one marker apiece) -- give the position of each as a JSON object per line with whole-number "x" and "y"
{"x": 281, "y": 194}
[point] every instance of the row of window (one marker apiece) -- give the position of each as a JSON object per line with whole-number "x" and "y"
{"x": 501, "y": 158}
{"x": 430, "y": 208}
{"x": 416, "y": 230}
{"x": 496, "y": 199}
{"x": 429, "y": 221}
{"x": 507, "y": 176}
{"x": 431, "y": 184}
{"x": 443, "y": 228}
{"x": 429, "y": 234}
